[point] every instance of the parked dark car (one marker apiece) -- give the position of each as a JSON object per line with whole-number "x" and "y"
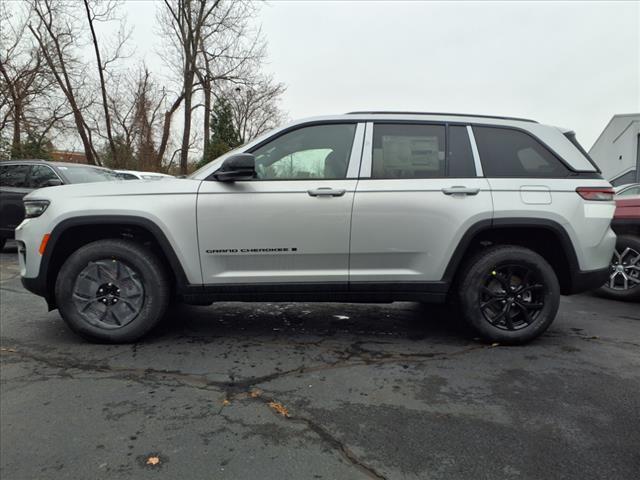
{"x": 624, "y": 278}
{"x": 19, "y": 177}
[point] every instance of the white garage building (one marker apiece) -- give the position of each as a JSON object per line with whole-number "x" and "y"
{"x": 617, "y": 152}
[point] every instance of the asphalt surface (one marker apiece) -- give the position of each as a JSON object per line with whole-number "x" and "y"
{"x": 318, "y": 391}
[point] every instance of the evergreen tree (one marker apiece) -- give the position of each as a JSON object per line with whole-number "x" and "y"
{"x": 224, "y": 136}
{"x": 32, "y": 148}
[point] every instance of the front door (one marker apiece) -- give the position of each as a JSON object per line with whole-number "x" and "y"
{"x": 291, "y": 224}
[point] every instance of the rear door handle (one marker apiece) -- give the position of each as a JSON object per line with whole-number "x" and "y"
{"x": 459, "y": 190}
{"x": 326, "y": 192}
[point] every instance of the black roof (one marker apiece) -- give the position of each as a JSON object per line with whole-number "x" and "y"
{"x": 380, "y": 112}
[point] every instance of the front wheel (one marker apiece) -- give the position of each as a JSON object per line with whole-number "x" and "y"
{"x": 624, "y": 277}
{"x": 112, "y": 291}
{"x": 508, "y": 294}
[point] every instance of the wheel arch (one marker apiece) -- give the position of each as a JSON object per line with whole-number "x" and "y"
{"x": 543, "y": 236}
{"x": 73, "y": 233}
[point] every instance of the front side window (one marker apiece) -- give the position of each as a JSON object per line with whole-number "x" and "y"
{"x": 40, "y": 176}
{"x": 315, "y": 152}
{"x": 14, "y": 175}
{"x": 512, "y": 153}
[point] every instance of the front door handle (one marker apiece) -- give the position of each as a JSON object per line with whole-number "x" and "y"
{"x": 326, "y": 192}
{"x": 460, "y": 190}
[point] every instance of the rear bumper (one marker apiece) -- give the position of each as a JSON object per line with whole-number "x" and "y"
{"x": 583, "y": 281}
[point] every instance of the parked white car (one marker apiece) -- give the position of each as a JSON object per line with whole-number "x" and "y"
{"x": 497, "y": 215}
{"x": 136, "y": 175}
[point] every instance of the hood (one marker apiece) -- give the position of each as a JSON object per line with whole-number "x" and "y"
{"x": 118, "y": 188}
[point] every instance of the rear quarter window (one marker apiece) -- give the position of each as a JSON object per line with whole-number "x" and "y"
{"x": 512, "y": 153}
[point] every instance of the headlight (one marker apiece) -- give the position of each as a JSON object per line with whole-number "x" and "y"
{"x": 35, "y": 208}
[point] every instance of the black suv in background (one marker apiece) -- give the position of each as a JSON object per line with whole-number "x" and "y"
{"x": 19, "y": 177}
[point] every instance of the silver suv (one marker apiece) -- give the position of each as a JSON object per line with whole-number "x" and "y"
{"x": 499, "y": 216}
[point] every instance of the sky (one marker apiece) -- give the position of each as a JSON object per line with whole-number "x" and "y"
{"x": 571, "y": 64}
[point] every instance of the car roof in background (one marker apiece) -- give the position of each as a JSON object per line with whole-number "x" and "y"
{"x": 49, "y": 162}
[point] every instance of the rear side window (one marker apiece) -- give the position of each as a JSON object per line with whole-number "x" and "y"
{"x": 421, "y": 151}
{"x": 511, "y": 153}
{"x": 14, "y": 175}
{"x": 408, "y": 151}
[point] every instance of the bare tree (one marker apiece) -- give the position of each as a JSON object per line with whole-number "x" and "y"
{"x": 255, "y": 107}
{"x": 27, "y": 103}
{"x": 142, "y": 117}
{"x": 230, "y": 52}
{"x": 99, "y": 12}
{"x": 184, "y": 23}
{"x": 58, "y": 30}
{"x": 55, "y": 32}
{"x": 214, "y": 42}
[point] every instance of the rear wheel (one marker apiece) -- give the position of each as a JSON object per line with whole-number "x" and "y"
{"x": 508, "y": 294}
{"x": 112, "y": 291}
{"x": 624, "y": 277}
{"x": 2, "y": 242}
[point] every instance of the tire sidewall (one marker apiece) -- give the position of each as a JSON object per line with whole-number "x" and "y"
{"x": 476, "y": 275}
{"x": 146, "y": 266}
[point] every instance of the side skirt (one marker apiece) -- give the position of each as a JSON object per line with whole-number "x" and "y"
{"x": 366, "y": 292}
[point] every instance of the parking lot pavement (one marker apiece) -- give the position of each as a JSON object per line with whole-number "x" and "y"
{"x": 319, "y": 391}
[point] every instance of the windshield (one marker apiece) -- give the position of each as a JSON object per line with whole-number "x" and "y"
{"x": 86, "y": 174}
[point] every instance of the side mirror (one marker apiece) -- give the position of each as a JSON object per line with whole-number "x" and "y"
{"x": 54, "y": 182}
{"x": 241, "y": 166}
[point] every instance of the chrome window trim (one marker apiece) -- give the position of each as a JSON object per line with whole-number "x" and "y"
{"x": 367, "y": 151}
{"x": 476, "y": 154}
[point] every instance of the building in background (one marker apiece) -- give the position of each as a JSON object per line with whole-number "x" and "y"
{"x": 65, "y": 156}
{"x": 617, "y": 152}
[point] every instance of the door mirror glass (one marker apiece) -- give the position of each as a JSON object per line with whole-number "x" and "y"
{"x": 241, "y": 166}
{"x": 54, "y": 182}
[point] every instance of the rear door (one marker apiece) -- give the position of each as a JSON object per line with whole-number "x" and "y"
{"x": 290, "y": 225}
{"x": 13, "y": 186}
{"x": 420, "y": 189}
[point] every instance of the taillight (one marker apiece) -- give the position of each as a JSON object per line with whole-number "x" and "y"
{"x": 596, "y": 193}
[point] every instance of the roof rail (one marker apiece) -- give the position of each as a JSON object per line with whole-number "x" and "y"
{"x": 441, "y": 113}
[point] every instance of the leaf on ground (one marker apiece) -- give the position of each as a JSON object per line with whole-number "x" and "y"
{"x": 153, "y": 460}
{"x": 255, "y": 393}
{"x": 226, "y": 402}
{"x": 495, "y": 344}
{"x": 278, "y": 407}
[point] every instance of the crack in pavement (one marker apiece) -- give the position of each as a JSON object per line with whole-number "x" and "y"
{"x": 231, "y": 387}
{"x": 242, "y": 389}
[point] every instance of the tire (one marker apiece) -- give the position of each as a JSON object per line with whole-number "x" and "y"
{"x": 2, "y": 242}
{"x": 508, "y": 294}
{"x": 629, "y": 271}
{"x": 112, "y": 291}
